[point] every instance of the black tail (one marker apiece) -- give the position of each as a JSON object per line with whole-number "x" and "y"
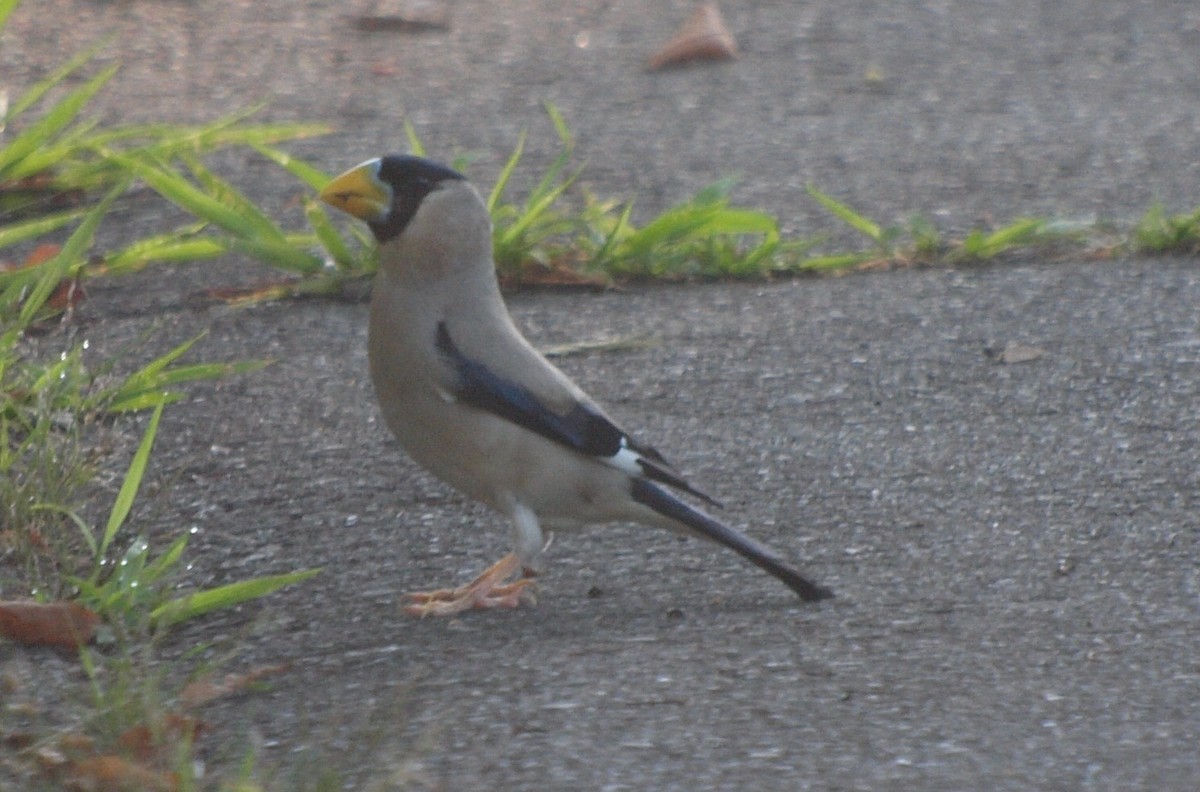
{"x": 761, "y": 556}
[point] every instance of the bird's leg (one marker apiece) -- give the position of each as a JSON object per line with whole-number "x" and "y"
{"x": 489, "y": 590}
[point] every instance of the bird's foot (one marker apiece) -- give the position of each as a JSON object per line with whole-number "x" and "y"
{"x": 489, "y": 590}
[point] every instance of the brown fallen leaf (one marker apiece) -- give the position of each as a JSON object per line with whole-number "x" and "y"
{"x": 704, "y": 36}
{"x": 30, "y": 538}
{"x": 385, "y": 68}
{"x": 66, "y": 295}
{"x": 39, "y": 254}
{"x": 143, "y": 745}
{"x": 74, "y": 745}
{"x": 1019, "y": 353}
{"x": 63, "y": 625}
{"x": 205, "y": 689}
{"x": 555, "y": 275}
{"x": 404, "y": 16}
{"x": 19, "y": 740}
{"x": 114, "y": 774}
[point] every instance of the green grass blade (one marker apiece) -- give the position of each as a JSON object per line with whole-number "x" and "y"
{"x": 313, "y": 178}
{"x": 264, "y": 227}
{"x": 927, "y": 242}
{"x": 14, "y": 233}
{"x": 329, "y": 237}
{"x": 165, "y": 140}
{"x": 142, "y": 394}
{"x": 972, "y": 245}
{"x": 532, "y": 214}
{"x": 51, "y": 374}
{"x": 253, "y": 232}
{"x": 415, "y": 146}
{"x": 230, "y": 132}
{"x": 757, "y": 260}
{"x": 68, "y": 259}
{"x": 505, "y": 173}
{"x": 1014, "y": 234}
{"x": 51, "y": 81}
{"x": 159, "y": 375}
{"x": 982, "y": 246}
{"x": 560, "y": 124}
{"x": 202, "y": 602}
{"x": 85, "y": 528}
{"x": 151, "y": 370}
{"x": 129, "y": 487}
{"x": 848, "y": 216}
{"x": 6, "y": 8}
{"x": 61, "y": 160}
{"x": 280, "y": 254}
{"x": 551, "y": 176}
{"x": 603, "y": 257}
{"x": 175, "y": 188}
{"x": 1157, "y": 232}
{"x": 741, "y": 221}
{"x": 208, "y": 371}
{"x": 181, "y": 246}
{"x": 674, "y": 224}
{"x": 832, "y": 262}
{"x": 154, "y": 570}
{"x": 41, "y": 131}
{"x": 147, "y": 400}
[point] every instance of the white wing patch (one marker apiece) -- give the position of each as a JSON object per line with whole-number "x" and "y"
{"x": 627, "y": 460}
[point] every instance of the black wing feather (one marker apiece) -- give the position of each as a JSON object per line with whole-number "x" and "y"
{"x": 583, "y": 429}
{"x": 761, "y": 556}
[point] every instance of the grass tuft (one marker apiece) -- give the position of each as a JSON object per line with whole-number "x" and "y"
{"x": 1158, "y": 233}
{"x": 57, "y": 405}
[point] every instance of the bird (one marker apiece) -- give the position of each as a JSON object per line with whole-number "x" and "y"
{"x": 472, "y": 401}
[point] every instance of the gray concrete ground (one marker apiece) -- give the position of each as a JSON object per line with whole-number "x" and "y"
{"x": 1014, "y": 546}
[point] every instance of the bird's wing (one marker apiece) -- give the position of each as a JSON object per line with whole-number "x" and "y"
{"x": 583, "y": 428}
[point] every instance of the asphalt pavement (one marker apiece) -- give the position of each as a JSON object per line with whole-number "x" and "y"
{"x": 1013, "y": 538}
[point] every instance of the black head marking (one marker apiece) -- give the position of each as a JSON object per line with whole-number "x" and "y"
{"x": 411, "y": 179}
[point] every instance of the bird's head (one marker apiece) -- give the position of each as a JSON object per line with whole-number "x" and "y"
{"x": 386, "y": 192}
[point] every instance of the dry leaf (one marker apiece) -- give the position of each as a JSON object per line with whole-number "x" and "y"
{"x": 556, "y": 274}
{"x": 140, "y": 742}
{"x": 64, "y": 625}
{"x": 76, "y": 745}
{"x": 704, "y": 36}
{"x": 19, "y": 740}
{"x": 1019, "y": 353}
{"x": 39, "y": 254}
{"x": 404, "y": 16}
{"x": 66, "y": 295}
{"x": 204, "y": 690}
{"x": 114, "y": 774}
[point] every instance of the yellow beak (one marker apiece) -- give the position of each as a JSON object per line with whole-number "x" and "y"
{"x": 359, "y": 192}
